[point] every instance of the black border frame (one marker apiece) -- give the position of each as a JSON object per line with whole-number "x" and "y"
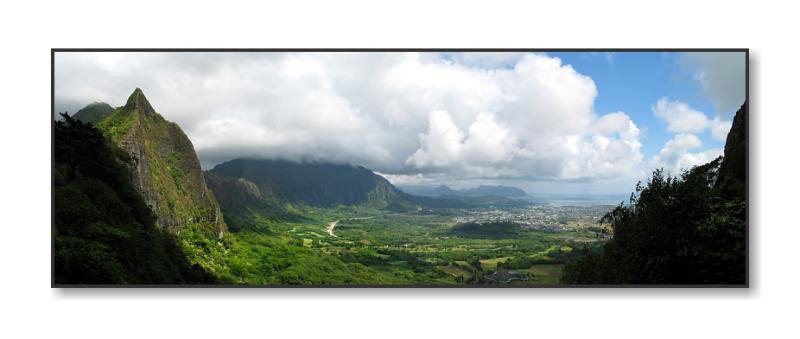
{"x": 746, "y": 51}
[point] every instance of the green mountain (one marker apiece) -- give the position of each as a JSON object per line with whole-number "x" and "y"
{"x": 104, "y": 233}
{"x": 164, "y": 167}
{"x": 313, "y": 184}
{"x": 243, "y": 204}
{"x": 93, "y": 112}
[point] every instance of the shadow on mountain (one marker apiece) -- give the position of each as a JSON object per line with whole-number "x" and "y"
{"x": 104, "y": 232}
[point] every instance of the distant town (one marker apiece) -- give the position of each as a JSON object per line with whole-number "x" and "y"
{"x": 540, "y": 217}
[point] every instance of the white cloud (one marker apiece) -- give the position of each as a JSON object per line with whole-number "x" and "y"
{"x": 681, "y": 118}
{"x": 408, "y": 179}
{"x": 525, "y": 116}
{"x": 720, "y": 128}
{"x": 675, "y": 156}
{"x": 722, "y": 76}
{"x": 441, "y": 145}
{"x": 489, "y": 141}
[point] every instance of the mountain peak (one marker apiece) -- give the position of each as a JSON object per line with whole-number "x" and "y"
{"x": 94, "y": 112}
{"x": 164, "y": 167}
{"x": 137, "y": 101}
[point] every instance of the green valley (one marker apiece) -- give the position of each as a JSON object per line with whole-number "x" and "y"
{"x": 374, "y": 246}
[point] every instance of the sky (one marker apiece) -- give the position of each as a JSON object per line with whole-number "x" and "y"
{"x": 550, "y": 123}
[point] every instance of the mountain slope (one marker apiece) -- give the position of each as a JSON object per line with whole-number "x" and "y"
{"x": 243, "y": 205}
{"x": 93, "y": 112}
{"x": 164, "y": 167}
{"x": 104, "y": 232}
{"x": 315, "y": 184}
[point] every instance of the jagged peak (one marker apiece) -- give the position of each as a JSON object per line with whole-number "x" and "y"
{"x": 137, "y": 101}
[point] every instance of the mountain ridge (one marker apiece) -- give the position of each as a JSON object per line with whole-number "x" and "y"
{"x": 312, "y": 183}
{"x": 93, "y": 112}
{"x": 164, "y": 166}
{"x": 478, "y": 191}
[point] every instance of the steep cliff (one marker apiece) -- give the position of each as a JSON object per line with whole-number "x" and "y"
{"x": 164, "y": 167}
{"x": 733, "y": 171}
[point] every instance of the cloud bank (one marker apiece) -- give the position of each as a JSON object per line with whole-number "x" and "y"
{"x": 413, "y": 117}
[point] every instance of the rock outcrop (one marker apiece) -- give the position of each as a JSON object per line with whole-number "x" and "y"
{"x": 733, "y": 170}
{"x": 164, "y": 167}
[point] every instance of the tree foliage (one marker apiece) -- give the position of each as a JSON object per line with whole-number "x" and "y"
{"x": 104, "y": 232}
{"x": 676, "y": 230}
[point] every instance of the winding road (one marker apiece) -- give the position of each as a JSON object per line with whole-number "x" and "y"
{"x": 331, "y": 225}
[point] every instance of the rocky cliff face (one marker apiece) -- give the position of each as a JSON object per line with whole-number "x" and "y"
{"x": 733, "y": 171}
{"x": 164, "y": 167}
{"x": 233, "y": 193}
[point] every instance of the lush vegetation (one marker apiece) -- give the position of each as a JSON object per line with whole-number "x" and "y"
{"x": 104, "y": 232}
{"x": 496, "y": 229}
{"x": 93, "y": 112}
{"x": 674, "y": 231}
{"x": 686, "y": 230}
{"x": 377, "y": 246}
{"x": 165, "y": 167}
{"x": 117, "y": 124}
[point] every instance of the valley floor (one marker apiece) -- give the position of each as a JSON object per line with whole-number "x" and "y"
{"x": 363, "y": 246}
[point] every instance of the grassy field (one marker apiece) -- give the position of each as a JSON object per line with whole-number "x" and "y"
{"x": 545, "y": 274}
{"x": 377, "y": 247}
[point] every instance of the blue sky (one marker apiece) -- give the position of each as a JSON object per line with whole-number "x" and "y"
{"x": 632, "y": 82}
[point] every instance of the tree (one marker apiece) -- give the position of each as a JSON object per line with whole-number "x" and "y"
{"x": 674, "y": 231}
{"x": 104, "y": 232}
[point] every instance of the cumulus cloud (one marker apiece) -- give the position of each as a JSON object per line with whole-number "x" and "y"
{"x": 409, "y": 116}
{"x": 442, "y": 145}
{"x": 720, "y": 128}
{"x": 722, "y": 76}
{"x": 676, "y": 157}
{"x": 681, "y": 118}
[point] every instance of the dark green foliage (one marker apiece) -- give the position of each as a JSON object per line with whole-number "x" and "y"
{"x": 733, "y": 171}
{"x": 104, "y": 232}
{"x": 498, "y": 229}
{"x": 553, "y": 255}
{"x": 93, "y": 112}
{"x": 243, "y": 205}
{"x": 675, "y": 231}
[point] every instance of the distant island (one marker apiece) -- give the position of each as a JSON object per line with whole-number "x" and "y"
{"x": 479, "y": 191}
